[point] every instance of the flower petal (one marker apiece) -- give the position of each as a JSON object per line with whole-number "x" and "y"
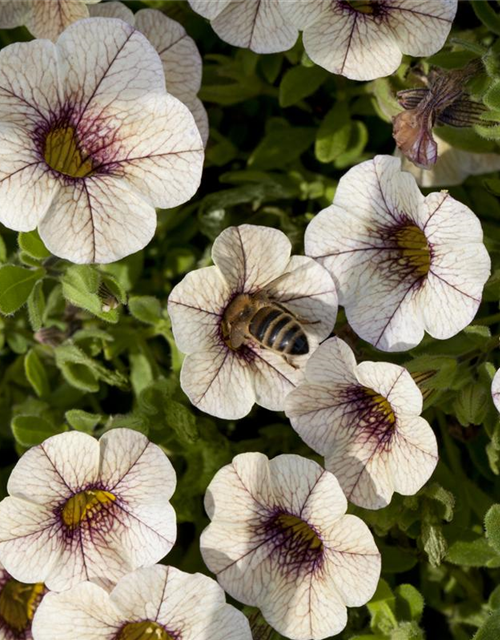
{"x": 49, "y": 19}
{"x": 53, "y": 470}
{"x": 121, "y": 69}
{"x": 209, "y": 8}
{"x": 99, "y": 219}
{"x": 333, "y": 364}
{"x": 495, "y": 389}
{"x": 251, "y": 256}
{"x": 29, "y": 544}
{"x": 353, "y": 561}
{"x": 27, "y": 187}
{"x": 258, "y": 25}
{"x": 112, "y": 10}
{"x": 393, "y": 383}
{"x": 421, "y": 26}
{"x": 82, "y": 612}
{"x": 414, "y": 455}
{"x": 28, "y": 83}
{"x": 273, "y": 378}
{"x": 195, "y": 307}
{"x": 352, "y": 45}
{"x": 14, "y": 14}
{"x": 160, "y": 156}
{"x": 218, "y": 381}
{"x": 200, "y": 115}
{"x": 309, "y": 293}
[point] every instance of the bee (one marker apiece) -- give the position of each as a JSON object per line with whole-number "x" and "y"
{"x": 257, "y": 317}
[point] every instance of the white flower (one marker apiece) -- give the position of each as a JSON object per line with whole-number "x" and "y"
{"x": 86, "y": 510}
{"x": 44, "y": 18}
{"x": 402, "y": 263}
{"x": 365, "y": 39}
{"x": 157, "y": 603}
{"x": 453, "y": 166}
{"x": 178, "y": 52}
{"x": 365, "y": 420}
{"x": 18, "y": 603}
{"x": 258, "y": 25}
{"x": 279, "y": 540}
{"x": 226, "y": 371}
{"x": 90, "y": 141}
{"x": 495, "y": 389}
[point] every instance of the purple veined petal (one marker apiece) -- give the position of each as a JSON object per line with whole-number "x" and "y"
{"x": 271, "y": 543}
{"x": 49, "y": 19}
{"x": 251, "y": 256}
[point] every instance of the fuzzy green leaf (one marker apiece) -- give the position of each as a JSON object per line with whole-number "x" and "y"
{"x": 16, "y": 284}
{"x": 300, "y": 82}
{"x": 492, "y": 526}
{"x": 32, "y": 430}
{"x": 36, "y": 374}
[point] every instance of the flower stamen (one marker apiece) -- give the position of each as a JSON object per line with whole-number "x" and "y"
{"x": 296, "y": 541}
{"x": 63, "y": 153}
{"x": 145, "y": 630}
{"x": 84, "y": 505}
{"x": 18, "y": 602}
{"x": 381, "y": 407}
{"x": 363, "y": 6}
{"x": 415, "y": 250}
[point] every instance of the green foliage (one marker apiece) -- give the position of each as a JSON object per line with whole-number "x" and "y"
{"x": 16, "y": 285}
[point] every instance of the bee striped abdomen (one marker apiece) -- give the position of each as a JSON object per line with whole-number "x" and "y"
{"x": 278, "y": 330}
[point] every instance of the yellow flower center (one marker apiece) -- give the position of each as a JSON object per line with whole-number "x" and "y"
{"x": 145, "y": 630}
{"x": 84, "y": 505}
{"x": 381, "y": 406}
{"x": 299, "y": 531}
{"x": 64, "y": 154}
{"x": 18, "y": 602}
{"x": 363, "y": 6}
{"x": 415, "y": 251}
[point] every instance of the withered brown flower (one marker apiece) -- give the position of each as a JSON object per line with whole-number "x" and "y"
{"x": 444, "y": 100}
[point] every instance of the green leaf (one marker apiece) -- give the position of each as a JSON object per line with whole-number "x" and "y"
{"x": 16, "y": 284}
{"x": 434, "y": 543}
{"x": 472, "y": 551}
{"x": 36, "y": 306}
{"x": 281, "y": 146}
{"x": 492, "y": 526}
{"x": 409, "y": 602}
{"x": 471, "y": 404}
{"x": 80, "y": 286}
{"x": 3, "y": 250}
{"x": 333, "y": 134}
{"x": 82, "y": 420}
{"x": 32, "y": 244}
{"x": 32, "y": 430}
{"x": 36, "y": 374}
{"x": 145, "y": 308}
{"x": 490, "y": 630}
{"x": 382, "y": 608}
{"x": 488, "y": 16}
{"x": 182, "y": 421}
{"x": 84, "y": 373}
{"x": 300, "y": 82}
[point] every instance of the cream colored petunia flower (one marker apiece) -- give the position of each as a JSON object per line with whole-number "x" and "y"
{"x": 18, "y": 603}
{"x": 79, "y": 509}
{"x": 258, "y": 25}
{"x": 156, "y": 603}
{"x": 495, "y": 389}
{"x": 365, "y": 39}
{"x": 178, "y": 52}
{"x": 90, "y": 142}
{"x": 215, "y": 321}
{"x": 403, "y": 264}
{"x": 453, "y": 166}
{"x": 43, "y": 18}
{"x": 280, "y": 540}
{"x": 365, "y": 420}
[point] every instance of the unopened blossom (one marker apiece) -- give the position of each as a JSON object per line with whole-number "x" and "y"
{"x": 18, "y": 603}
{"x": 155, "y": 603}
{"x": 91, "y": 142}
{"x": 178, "y": 52}
{"x": 453, "y": 166}
{"x": 495, "y": 389}
{"x": 365, "y": 420}
{"x": 43, "y": 18}
{"x": 365, "y": 39}
{"x": 81, "y": 509}
{"x": 403, "y": 263}
{"x": 227, "y": 369}
{"x": 280, "y": 540}
{"x": 259, "y": 25}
